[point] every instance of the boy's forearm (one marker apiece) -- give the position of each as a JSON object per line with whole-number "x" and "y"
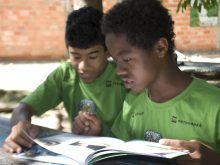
{"x": 22, "y": 112}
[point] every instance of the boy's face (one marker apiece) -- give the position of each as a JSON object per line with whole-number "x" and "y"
{"x": 89, "y": 62}
{"x": 137, "y": 67}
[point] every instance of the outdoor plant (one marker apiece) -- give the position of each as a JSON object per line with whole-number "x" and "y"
{"x": 197, "y": 4}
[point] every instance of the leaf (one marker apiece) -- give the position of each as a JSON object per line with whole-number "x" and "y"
{"x": 200, "y": 7}
{"x": 179, "y": 6}
{"x": 197, "y": 4}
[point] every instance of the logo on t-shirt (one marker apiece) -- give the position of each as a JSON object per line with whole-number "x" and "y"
{"x": 109, "y": 83}
{"x": 152, "y": 136}
{"x": 174, "y": 119}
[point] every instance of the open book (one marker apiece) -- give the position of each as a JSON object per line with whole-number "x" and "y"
{"x": 67, "y": 148}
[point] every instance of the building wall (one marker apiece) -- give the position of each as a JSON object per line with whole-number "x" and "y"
{"x": 34, "y": 29}
{"x": 190, "y": 38}
{"x": 31, "y": 29}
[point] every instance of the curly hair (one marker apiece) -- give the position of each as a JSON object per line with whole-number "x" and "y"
{"x": 143, "y": 22}
{"x": 83, "y": 28}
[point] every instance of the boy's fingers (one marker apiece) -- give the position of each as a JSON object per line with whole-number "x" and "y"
{"x": 76, "y": 128}
{"x": 34, "y": 131}
{"x": 178, "y": 144}
{"x": 86, "y": 123}
{"x": 92, "y": 119}
{"x": 86, "y": 130}
{"x": 24, "y": 141}
{"x": 11, "y": 146}
{"x": 88, "y": 117}
{"x": 19, "y": 129}
{"x": 20, "y": 139}
{"x": 78, "y": 125}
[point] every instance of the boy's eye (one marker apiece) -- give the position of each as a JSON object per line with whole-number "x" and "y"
{"x": 93, "y": 56}
{"x": 128, "y": 59}
{"x": 76, "y": 57}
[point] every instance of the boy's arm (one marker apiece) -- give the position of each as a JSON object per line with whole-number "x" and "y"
{"x": 23, "y": 112}
{"x": 20, "y": 122}
{"x": 21, "y": 116}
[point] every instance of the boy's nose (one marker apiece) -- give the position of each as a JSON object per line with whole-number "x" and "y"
{"x": 121, "y": 70}
{"x": 82, "y": 65}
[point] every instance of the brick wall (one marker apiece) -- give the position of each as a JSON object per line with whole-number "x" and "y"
{"x": 34, "y": 29}
{"x": 190, "y": 38}
{"x": 31, "y": 29}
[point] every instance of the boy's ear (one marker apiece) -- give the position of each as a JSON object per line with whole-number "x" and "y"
{"x": 161, "y": 47}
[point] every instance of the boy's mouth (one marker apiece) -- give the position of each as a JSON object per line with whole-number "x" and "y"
{"x": 128, "y": 83}
{"x": 85, "y": 76}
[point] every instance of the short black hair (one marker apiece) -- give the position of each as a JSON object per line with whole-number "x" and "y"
{"x": 143, "y": 22}
{"x": 83, "y": 28}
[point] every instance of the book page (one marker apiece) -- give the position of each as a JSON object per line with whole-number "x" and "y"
{"x": 148, "y": 148}
{"x": 41, "y": 154}
{"x": 76, "y": 147}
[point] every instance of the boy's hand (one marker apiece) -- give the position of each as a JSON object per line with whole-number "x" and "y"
{"x": 87, "y": 124}
{"x": 199, "y": 152}
{"x": 17, "y": 138}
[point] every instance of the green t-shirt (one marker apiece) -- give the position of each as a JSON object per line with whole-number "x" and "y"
{"x": 64, "y": 85}
{"x": 193, "y": 114}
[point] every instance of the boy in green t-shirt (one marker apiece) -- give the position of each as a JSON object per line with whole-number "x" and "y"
{"x": 164, "y": 104}
{"x": 88, "y": 82}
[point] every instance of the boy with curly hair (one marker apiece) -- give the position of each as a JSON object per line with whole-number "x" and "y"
{"x": 164, "y": 104}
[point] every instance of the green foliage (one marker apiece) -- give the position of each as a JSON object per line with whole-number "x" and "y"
{"x": 197, "y": 4}
{"x": 213, "y": 12}
{"x": 194, "y": 17}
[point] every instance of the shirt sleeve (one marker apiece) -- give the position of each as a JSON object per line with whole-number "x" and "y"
{"x": 47, "y": 95}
